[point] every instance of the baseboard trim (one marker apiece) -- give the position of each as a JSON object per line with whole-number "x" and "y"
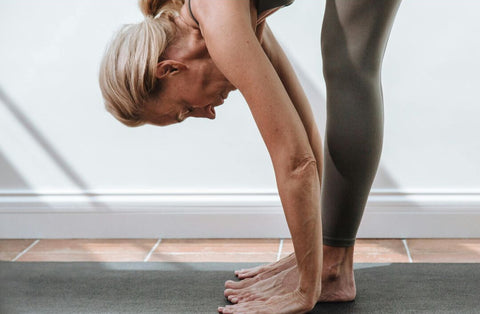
{"x": 388, "y": 214}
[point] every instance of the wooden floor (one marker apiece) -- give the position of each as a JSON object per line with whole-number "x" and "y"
{"x": 230, "y": 250}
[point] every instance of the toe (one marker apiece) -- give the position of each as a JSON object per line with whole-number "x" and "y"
{"x": 234, "y": 298}
{"x": 232, "y": 292}
{"x": 242, "y": 276}
{"x": 237, "y": 272}
{"x": 228, "y": 309}
{"x": 249, "y": 297}
{"x": 250, "y": 274}
{"x": 243, "y": 297}
{"x": 232, "y": 284}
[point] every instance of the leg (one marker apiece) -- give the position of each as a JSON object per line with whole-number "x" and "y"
{"x": 354, "y": 38}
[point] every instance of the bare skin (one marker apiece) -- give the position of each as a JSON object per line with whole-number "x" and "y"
{"x": 268, "y": 270}
{"x": 265, "y": 281}
{"x": 363, "y": 27}
{"x": 291, "y": 302}
{"x": 229, "y": 30}
{"x": 233, "y": 44}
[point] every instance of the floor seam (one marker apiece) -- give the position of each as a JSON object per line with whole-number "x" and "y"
{"x": 216, "y": 253}
{"x": 152, "y": 250}
{"x": 26, "y": 250}
{"x": 280, "y": 248}
{"x": 404, "y": 241}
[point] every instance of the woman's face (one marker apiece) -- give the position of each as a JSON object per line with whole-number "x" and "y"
{"x": 189, "y": 89}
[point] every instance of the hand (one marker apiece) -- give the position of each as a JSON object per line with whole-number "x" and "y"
{"x": 294, "y": 302}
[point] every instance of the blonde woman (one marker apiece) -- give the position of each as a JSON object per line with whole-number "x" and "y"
{"x": 184, "y": 59}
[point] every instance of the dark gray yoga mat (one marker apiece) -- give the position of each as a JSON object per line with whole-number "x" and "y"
{"x": 90, "y": 287}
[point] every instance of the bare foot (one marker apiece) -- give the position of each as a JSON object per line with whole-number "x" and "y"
{"x": 271, "y": 269}
{"x": 281, "y": 283}
{"x": 338, "y": 282}
{"x": 289, "y": 303}
{"x": 335, "y": 287}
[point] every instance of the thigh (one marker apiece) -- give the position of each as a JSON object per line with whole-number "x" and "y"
{"x": 357, "y": 31}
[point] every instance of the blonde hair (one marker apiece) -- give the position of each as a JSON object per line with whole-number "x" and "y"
{"x": 127, "y": 71}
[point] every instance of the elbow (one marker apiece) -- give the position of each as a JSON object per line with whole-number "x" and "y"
{"x": 303, "y": 165}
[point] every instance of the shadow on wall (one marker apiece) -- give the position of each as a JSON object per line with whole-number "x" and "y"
{"x": 10, "y": 179}
{"x": 48, "y": 148}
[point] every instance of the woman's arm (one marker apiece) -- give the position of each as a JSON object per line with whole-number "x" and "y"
{"x": 287, "y": 75}
{"x": 231, "y": 42}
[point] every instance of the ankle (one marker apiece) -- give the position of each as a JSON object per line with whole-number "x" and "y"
{"x": 334, "y": 254}
{"x": 337, "y": 260}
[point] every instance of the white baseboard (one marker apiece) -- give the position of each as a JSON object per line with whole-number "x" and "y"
{"x": 388, "y": 214}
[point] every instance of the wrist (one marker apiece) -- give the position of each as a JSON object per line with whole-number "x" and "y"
{"x": 310, "y": 287}
{"x": 308, "y": 298}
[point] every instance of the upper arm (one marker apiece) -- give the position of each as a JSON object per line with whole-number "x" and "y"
{"x": 233, "y": 46}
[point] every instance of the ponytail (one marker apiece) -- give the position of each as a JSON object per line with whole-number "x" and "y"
{"x": 152, "y": 8}
{"x": 127, "y": 71}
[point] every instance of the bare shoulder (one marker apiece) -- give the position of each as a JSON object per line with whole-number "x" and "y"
{"x": 186, "y": 16}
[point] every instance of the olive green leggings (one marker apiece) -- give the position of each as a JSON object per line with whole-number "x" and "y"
{"x": 354, "y": 38}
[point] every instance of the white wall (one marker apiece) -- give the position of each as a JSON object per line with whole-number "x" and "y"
{"x": 68, "y": 169}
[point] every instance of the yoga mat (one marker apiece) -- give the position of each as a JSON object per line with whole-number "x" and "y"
{"x": 158, "y": 287}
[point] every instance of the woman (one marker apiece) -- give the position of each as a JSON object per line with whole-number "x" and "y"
{"x": 185, "y": 58}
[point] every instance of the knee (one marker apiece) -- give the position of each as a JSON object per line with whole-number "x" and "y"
{"x": 343, "y": 63}
{"x": 348, "y": 70}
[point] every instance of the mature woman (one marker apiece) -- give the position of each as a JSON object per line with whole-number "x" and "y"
{"x": 185, "y": 58}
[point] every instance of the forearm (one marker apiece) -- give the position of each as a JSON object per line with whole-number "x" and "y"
{"x": 300, "y": 196}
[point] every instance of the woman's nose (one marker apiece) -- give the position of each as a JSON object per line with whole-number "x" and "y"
{"x": 210, "y": 111}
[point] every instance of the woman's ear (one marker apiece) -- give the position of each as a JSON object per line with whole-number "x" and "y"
{"x": 168, "y": 68}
